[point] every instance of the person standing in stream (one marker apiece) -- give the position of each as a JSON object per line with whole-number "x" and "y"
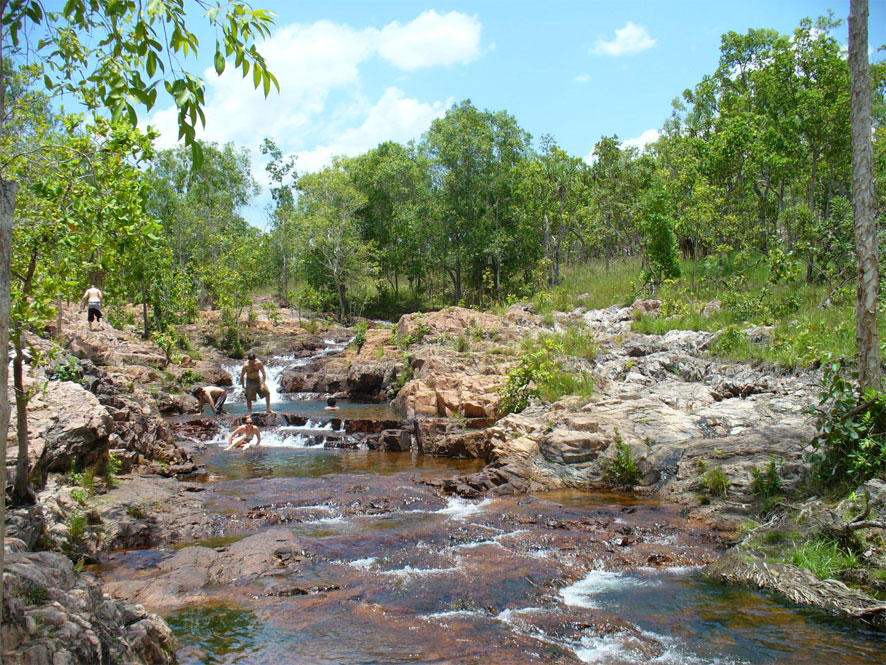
{"x": 253, "y": 377}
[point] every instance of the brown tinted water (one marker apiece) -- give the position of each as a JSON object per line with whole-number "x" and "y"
{"x": 395, "y": 573}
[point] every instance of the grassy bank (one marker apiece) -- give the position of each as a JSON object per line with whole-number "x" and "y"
{"x": 799, "y": 324}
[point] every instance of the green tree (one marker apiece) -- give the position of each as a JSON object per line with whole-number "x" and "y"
{"x": 474, "y": 157}
{"x": 111, "y": 55}
{"x": 396, "y": 184}
{"x": 328, "y": 204}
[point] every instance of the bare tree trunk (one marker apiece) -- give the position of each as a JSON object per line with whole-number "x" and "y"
{"x": 867, "y": 334}
{"x": 20, "y": 490}
{"x": 7, "y": 207}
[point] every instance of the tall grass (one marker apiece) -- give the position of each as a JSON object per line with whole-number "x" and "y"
{"x": 809, "y": 322}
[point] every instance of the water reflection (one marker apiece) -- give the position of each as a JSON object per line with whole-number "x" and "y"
{"x": 216, "y": 634}
{"x": 318, "y": 462}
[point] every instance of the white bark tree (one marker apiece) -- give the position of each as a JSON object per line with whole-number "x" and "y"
{"x": 867, "y": 334}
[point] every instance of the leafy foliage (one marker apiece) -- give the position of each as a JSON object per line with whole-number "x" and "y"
{"x": 543, "y": 372}
{"x": 850, "y": 447}
{"x": 621, "y": 469}
{"x": 766, "y": 485}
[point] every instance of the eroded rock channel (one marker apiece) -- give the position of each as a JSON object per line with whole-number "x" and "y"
{"x": 439, "y": 534}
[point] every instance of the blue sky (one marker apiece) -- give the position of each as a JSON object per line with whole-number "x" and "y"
{"x": 354, "y": 74}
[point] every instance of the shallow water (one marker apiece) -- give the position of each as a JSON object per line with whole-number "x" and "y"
{"x": 393, "y": 572}
{"x": 406, "y": 576}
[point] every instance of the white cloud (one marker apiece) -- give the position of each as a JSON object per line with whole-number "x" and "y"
{"x": 628, "y": 40}
{"x": 582, "y": 78}
{"x": 322, "y": 109}
{"x": 431, "y": 40}
{"x": 640, "y": 142}
{"x": 394, "y": 117}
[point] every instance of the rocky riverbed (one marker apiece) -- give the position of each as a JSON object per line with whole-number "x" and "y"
{"x": 180, "y": 527}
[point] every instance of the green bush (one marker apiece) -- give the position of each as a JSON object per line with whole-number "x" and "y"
{"x": 80, "y": 495}
{"x": 190, "y": 377}
{"x": 715, "y": 481}
{"x": 766, "y": 485}
{"x": 622, "y": 469}
{"x": 35, "y": 594}
{"x": 76, "y": 527}
{"x": 462, "y": 344}
{"x": 850, "y": 447}
{"x": 542, "y": 372}
{"x": 360, "y": 334}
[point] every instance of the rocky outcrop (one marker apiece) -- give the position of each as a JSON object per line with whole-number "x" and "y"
{"x": 451, "y": 394}
{"x": 52, "y": 614}
{"x": 196, "y": 574}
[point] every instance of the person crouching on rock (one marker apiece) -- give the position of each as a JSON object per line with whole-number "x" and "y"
{"x": 241, "y": 436}
{"x": 213, "y": 396}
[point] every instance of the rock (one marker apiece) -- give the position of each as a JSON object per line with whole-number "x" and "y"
{"x": 68, "y": 428}
{"x": 448, "y": 395}
{"x": 571, "y": 447}
{"x": 194, "y": 574}
{"x": 79, "y": 626}
{"x": 396, "y": 440}
{"x": 711, "y": 308}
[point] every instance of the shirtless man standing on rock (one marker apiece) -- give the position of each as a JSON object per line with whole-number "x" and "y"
{"x": 253, "y": 377}
{"x": 92, "y": 301}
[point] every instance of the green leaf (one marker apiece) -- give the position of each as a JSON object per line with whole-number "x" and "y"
{"x": 219, "y": 59}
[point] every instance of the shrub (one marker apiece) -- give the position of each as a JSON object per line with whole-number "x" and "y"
{"x": 622, "y": 469}
{"x": 310, "y": 325}
{"x": 70, "y": 370}
{"x": 823, "y": 558}
{"x": 850, "y": 447}
{"x": 766, "y": 485}
{"x": 76, "y": 527}
{"x": 360, "y": 334}
{"x": 716, "y": 482}
{"x": 36, "y": 594}
{"x": 190, "y": 377}
{"x": 135, "y": 511}
{"x": 462, "y": 344}
{"x": 542, "y": 373}
{"x": 80, "y": 495}
{"x": 272, "y": 312}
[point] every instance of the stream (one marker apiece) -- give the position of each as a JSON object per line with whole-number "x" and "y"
{"x": 390, "y": 571}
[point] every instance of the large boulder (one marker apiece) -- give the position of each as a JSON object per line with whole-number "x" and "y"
{"x": 55, "y": 615}
{"x": 449, "y": 395}
{"x": 67, "y": 428}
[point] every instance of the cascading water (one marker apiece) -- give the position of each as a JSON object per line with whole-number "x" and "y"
{"x": 386, "y": 570}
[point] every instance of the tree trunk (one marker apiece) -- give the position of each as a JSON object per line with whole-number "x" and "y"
{"x": 341, "y": 301}
{"x": 147, "y": 331}
{"x": 7, "y": 208}
{"x": 20, "y": 491}
{"x": 867, "y": 335}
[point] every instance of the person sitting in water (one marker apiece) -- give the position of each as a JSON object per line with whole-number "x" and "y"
{"x": 241, "y": 436}
{"x": 330, "y": 405}
{"x": 213, "y": 396}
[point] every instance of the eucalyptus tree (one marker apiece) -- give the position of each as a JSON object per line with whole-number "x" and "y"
{"x": 283, "y": 223}
{"x": 555, "y": 196}
{"x": 867, "y": 334}
{"x": 395, "y": 180}
{"x": 616, "y": 181}
{"x": 328, "y": 205}
{"x": 474, "y": 155}
{"x": 110, "y": 54}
